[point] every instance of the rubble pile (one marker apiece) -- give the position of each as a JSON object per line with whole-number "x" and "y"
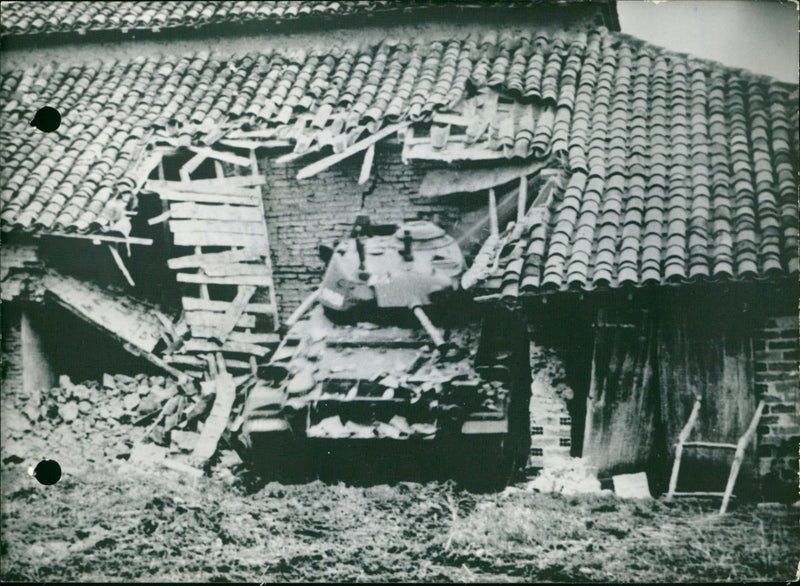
{"x": 138, "y": 418}
{"x": 567, "y": 476}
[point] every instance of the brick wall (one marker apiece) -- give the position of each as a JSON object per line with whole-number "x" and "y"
{"x": 776, "y": 381}
{"x": 303, "y": 214}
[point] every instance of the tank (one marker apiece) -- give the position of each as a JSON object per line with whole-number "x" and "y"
{"x": 390, "y": 350}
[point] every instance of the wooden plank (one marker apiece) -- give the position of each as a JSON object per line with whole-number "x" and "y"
{"x": 198, "y": 345}
{"x": 211, "y": 319}
{"x": 447, "y": 181}
{"x": 522, "y": 198}
{"x": 493, "y": 227}
{"x": 228, "y": 198}
{"x": 193, "y": 304}
{"x": 232, "y": 269}
{"x": 198, "y": 211}
{"x": 258, "y": 280}
{"x": 235, "y": 336}
{"x": 454, "y": 151}
{"x": 323, "y": 164}
{"x": 218, "y": 226}
{"x": 208, "y": 186}
{"x": 197, "y": 260}
{"x": 709, "y": 445}
{"x": 231, "y": 316}
{"x": 255, "y": 242}
{"x": 243, "y": 143}
{"x": 217, "y": 420}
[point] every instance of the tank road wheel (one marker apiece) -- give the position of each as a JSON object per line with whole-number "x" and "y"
{"x": 483, "y": 462}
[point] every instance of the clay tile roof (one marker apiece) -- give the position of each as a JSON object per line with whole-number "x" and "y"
{"x": 688, "y": 171}
{"x": 691, "y": 184}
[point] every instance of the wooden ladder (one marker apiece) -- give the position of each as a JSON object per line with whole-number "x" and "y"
{"x": 234, "y": 311}
{"x": 738, "y": 449}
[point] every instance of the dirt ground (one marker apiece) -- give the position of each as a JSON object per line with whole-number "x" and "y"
{"x": 109, "y": 519}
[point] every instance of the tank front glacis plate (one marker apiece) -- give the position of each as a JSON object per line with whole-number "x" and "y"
{"x": 367, "y": 381}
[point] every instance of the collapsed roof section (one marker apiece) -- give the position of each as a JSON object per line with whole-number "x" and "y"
{"x": 675, "y": 168}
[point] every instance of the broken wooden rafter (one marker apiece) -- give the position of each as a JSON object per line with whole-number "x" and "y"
{"x": 121, "y": 265}
{"x": 98, "y": 238}
{"x": 227, "y": 198}
{"x": 359, "y": 146}
{"x": 231, "y": 316}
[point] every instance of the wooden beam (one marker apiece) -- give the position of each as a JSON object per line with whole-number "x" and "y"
{"x": 121, "y": 265}
{"x": 194, "y": 304}
{"x": 253, "y": 241}
{"x": 212, "y": 319}
{"x": 218, "y": 187}
{"x": 366, "y": 166}
{"x": 302, "y": 308}
{"x": 359, "y": 146}
{"x": 243, "y": 143}
{"x": 231, "y": 316}
{"x": 258, "y": 280}
{"x": 98, "y": 238}
{"x": 183, "y": 210}
{"x": 228, "y": 256}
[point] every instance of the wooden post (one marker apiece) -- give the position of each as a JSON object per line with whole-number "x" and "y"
{"x": 684, "y": 435}
{"x": 739, "y": 456}
{"x": 36, "y": 372}
{"x": 493, "y": 213}
{"x": 522, "y": 199}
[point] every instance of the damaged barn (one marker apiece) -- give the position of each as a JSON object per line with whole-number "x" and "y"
{"x": 606, "y": 194}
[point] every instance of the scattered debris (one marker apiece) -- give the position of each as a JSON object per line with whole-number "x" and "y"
{"x": 567, "y": 476}
{"x": 632, "y": 486}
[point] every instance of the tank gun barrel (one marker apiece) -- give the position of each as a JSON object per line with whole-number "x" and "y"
{"x": 426, "y": 323}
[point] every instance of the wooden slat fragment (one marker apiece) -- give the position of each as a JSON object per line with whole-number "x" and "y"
{"x": 183, "y": 210}
{"x": 121, "y": 265}
{"x": 232, "y": 269}
{"x": 253, "y": 241}
{"x": 218, "y": 226}
{"x": 217, "y": 420}
{"x": 211, "y": 319}
{"x": 196, "y": 260}
{"x": 208, "y": 186}
{"x": 258, "y": 280}
{"x": 231, "y": 316}
{"x": 162, "y": 217}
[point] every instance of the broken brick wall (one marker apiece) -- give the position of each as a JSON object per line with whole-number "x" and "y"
{"x": 776, "y": 382}
{"x": 303, "y": 214}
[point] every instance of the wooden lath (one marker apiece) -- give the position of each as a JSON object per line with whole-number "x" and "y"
{"x": 225, "y": 317}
